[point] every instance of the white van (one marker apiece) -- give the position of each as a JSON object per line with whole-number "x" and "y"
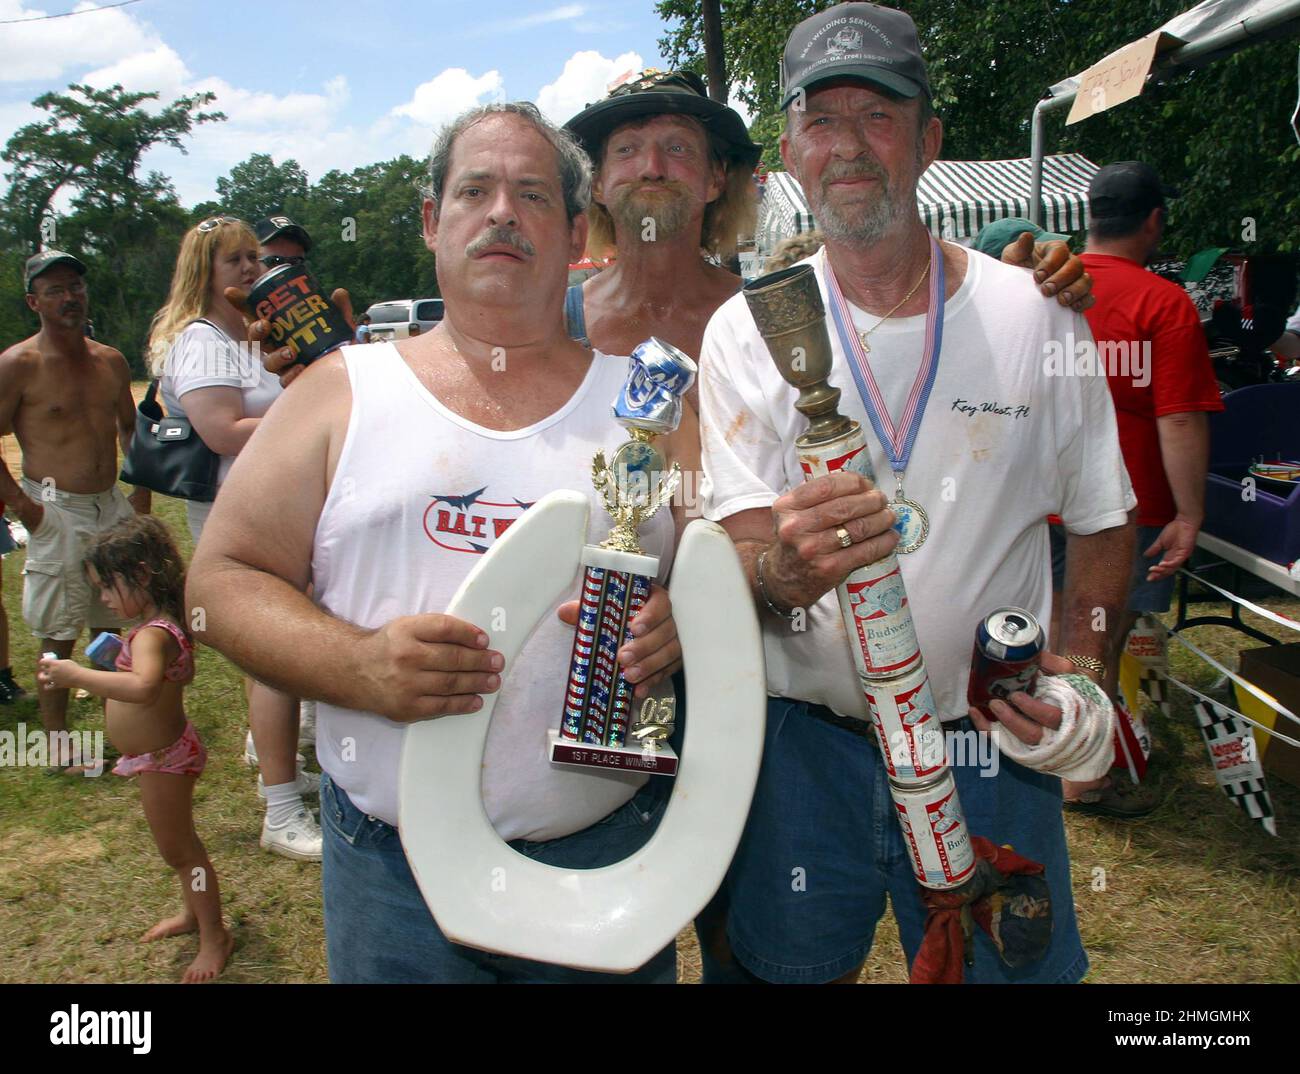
{"x": 394, "y": 320}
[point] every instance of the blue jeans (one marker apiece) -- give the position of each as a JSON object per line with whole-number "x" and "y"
{"x": 823, "y": 847}
{"x": 379, "y": 930}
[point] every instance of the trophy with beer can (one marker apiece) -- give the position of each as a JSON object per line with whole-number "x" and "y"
{"x": 788, "y": 310}
{"x": 600, "y": 727}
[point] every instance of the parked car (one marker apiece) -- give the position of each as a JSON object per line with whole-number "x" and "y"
{"x": 396, "y": 319}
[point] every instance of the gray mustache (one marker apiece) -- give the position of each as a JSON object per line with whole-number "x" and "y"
{"x": 852, "y": 171}
{"x": 499, "y": 236}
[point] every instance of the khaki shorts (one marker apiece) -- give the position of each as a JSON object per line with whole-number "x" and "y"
{"x": 58, "y": 601}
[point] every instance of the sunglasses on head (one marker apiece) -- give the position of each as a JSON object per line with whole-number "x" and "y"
{"x": 272, "y": 260}
{"x": 214, "y": 222}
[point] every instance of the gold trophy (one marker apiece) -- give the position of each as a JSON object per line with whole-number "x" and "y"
{"x": 634, "y": 484}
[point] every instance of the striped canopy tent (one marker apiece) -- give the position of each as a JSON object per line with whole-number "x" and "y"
{"x": 783, "y": 211}
{"x": 956, "y": 197}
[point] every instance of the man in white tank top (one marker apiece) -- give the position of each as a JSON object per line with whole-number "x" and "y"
{"x": 379, "y": 479}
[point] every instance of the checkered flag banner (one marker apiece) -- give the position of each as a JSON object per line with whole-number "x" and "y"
{"x": 1155, "y": 686}
{"x": 1236, "y": 761}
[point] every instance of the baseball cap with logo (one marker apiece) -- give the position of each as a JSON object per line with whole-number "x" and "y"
{"x": 654, "y": 92}
{"x": 272, "y": 227}
{"x": 46, "y": 260}
{"x": 1128, "y": 188}
{"x": 861, "y": 41}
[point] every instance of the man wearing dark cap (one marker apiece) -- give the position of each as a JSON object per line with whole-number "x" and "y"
{"x": 673, "y": 183}
{"x": 68, "y": 400}
{"x": 282, "y": 241}
{"x": 939, "y": 354}
{"x": 1152, "y": 348}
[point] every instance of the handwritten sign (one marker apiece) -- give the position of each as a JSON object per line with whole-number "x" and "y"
{"x": 1119, "y": 77}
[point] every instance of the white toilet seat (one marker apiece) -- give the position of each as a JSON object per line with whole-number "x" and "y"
{"x": 616, "y": 918}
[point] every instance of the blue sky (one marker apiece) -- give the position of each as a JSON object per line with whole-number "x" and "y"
{"x": 330, "y": 84}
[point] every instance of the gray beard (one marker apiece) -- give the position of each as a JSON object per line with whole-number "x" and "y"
{"x": 865, "y": 225}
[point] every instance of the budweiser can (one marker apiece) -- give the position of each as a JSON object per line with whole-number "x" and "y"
{"x": 844, "y": 453}
{"x": 911, "y": 734}
{"x": 301, "y": 316}
{"x": 881, "y": 633}
{"x": 934, "y": 829}
{"x": 882, "y": 636}
{"x": 1008, "y": 649}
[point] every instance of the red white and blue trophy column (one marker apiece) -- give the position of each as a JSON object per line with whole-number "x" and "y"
{"x": 598, "y": 728}
{"x": 787, "y": 307}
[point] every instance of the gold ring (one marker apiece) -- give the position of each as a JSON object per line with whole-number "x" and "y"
{"x": 845, "y": 540}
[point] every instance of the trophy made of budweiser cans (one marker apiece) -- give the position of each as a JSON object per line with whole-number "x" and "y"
{"x": 598, "y": 727}
{"x": 787, "y": 307}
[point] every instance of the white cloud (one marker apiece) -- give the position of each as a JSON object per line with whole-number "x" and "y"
{"x": 158, "y": 69}
{"x": 583, "y": 80}
{"x": 540, "y": 18}
{"x": 312, "y": 125}
{"x": 45, "y": 50}
{"x": 448, "y": 94}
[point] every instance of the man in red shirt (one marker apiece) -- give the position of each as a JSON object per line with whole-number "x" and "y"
{"x": 1152, "y": 347}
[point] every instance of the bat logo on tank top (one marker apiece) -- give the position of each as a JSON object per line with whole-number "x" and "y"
{"x": 467, "y": 523}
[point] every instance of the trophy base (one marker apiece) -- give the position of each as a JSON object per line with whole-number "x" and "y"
{"x": 634, "y": 758}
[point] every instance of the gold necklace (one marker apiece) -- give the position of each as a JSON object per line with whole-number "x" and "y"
{"x": 866, "y": 347}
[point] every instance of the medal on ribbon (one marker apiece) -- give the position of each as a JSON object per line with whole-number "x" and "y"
{"x": 913, "y": 524}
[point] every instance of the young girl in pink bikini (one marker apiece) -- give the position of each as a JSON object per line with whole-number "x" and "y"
{"x": 139, "y": 574}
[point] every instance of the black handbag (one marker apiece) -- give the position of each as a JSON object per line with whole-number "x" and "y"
{"x": 168, "y": 456}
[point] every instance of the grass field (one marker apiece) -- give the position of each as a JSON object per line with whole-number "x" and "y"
{"x": 1196, "y": 892}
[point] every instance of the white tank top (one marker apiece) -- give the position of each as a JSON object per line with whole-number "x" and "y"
{"x": 419, "y": 494}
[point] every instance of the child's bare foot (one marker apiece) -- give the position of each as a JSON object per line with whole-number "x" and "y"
{"x": 211, "y": 959}
{"x": 172, "y": 926}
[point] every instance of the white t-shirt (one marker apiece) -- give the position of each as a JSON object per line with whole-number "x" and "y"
{"x": 203, "y": 356}
{"x": 418, "y": 495}
{"x": 1002, "y": 445}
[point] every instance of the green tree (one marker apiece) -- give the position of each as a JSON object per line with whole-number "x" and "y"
{"x": 367, "y": 228}
{"x": 259, "y": 187}
{"x": 1220, "y": 133}
{"x": 126, "y": 227}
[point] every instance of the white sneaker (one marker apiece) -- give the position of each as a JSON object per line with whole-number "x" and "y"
{"x": 19, "y": 533}
{"x": 306, "y": 724}
{"x": 307, "y": 784}
{"x": 299, "y": 838}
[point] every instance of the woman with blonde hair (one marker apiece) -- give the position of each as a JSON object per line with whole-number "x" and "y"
{"x": 210, "y": 376}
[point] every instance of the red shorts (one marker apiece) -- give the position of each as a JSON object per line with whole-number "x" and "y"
{"x": 187, "y": 756}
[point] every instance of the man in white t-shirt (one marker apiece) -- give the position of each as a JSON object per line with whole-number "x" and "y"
{"x": 1001, "y": 445}
{"x": 380, "y": 477}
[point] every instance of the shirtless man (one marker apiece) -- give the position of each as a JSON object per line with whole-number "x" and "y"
{"x": 68, "y": 400}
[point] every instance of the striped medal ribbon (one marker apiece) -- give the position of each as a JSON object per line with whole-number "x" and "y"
{"x": 913, "y": 525}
